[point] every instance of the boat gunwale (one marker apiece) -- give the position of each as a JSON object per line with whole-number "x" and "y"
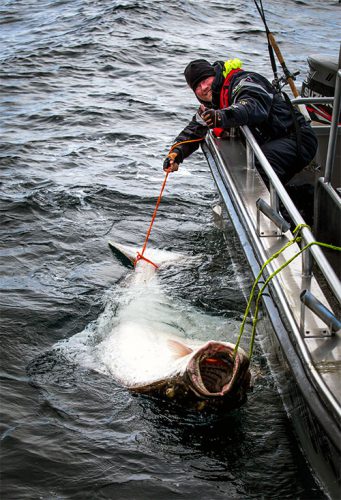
{"x": 321, "y": 390}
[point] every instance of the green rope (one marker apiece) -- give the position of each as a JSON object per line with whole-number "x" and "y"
{"x": 274, "y": 256}
{"x": 255, "y": 318}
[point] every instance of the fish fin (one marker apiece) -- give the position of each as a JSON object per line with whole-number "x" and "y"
{"x": 127, "y": 254}
{"x": 179, "y": 349}
{"x": 124, "y": 254}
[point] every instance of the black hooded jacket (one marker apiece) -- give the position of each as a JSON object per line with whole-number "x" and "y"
{"x": 253, "y": 101}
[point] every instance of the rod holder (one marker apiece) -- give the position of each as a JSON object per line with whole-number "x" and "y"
{"x": 308, "y": 299}
{"x": 273, "y": 215}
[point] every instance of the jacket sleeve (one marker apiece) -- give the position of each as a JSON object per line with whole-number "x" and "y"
{"x": 194, "y": 130}
{"x": 251, "y": 103}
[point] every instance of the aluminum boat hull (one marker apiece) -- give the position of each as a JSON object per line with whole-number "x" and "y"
{"x": 310, "y": 396}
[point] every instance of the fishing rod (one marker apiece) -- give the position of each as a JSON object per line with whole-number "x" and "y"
{"x": 274, "y": 48}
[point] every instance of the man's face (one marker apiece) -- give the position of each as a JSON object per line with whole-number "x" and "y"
{"x": 204, "y": 89}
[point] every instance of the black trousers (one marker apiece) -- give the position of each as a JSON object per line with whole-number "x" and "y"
{"x": 286, "y": 158}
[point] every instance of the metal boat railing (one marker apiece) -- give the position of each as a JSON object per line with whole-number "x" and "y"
{"x": 278, "y": 191}
{"x": 336, "y": 102}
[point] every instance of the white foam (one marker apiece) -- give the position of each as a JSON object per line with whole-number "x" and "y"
{"x": 129, "y": 339}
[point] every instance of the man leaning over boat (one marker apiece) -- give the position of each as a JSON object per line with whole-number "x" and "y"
{"x": 230, "y": 97}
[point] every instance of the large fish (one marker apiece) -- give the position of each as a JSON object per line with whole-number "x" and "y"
{"x": 151, "y": 361}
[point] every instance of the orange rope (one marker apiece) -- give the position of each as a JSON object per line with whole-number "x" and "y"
{"x": 140, "y": 256}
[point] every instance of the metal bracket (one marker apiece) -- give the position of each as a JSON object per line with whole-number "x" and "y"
{"x": 314, "y": 333}
{"x": 312, "y": 306}
{"x": 279, "y": 225}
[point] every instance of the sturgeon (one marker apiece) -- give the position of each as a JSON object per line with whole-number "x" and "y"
{"x": 158, "y": 363}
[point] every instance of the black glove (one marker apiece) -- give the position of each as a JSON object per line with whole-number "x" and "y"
{"x": 172, "y": 160}
{"x": 213, "y": 118}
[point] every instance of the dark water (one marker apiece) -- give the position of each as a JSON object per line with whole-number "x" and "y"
{"x": 92, "y": 96}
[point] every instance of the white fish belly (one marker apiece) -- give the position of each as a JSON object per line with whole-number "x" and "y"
{"x": 136, "y": 355}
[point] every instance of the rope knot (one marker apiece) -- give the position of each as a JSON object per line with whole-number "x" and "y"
{"x": 139, "y": 257}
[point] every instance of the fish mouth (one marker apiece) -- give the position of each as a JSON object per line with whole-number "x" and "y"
{"x": 214, "y": 370}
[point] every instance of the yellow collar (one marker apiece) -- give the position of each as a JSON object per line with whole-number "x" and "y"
{"x": 230, "y": 65}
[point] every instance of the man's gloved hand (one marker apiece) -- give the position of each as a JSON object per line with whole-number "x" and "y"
{"x": 171, "y": 163}
{"x": 212, "y": 117}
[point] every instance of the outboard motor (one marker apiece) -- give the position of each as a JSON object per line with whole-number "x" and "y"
{"x": 320, "y": 82}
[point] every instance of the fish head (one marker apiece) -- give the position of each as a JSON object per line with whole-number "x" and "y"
{"x": 214, "y": 375}
{"x": 216, "y": 371}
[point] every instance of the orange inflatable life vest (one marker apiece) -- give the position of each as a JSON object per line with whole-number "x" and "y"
{"x": 224, "y": 97}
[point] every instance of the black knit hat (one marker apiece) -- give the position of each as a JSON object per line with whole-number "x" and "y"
{"x": 198, "y": 70}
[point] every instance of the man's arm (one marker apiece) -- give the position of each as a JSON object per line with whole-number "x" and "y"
{"x": 192, "y": 132}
